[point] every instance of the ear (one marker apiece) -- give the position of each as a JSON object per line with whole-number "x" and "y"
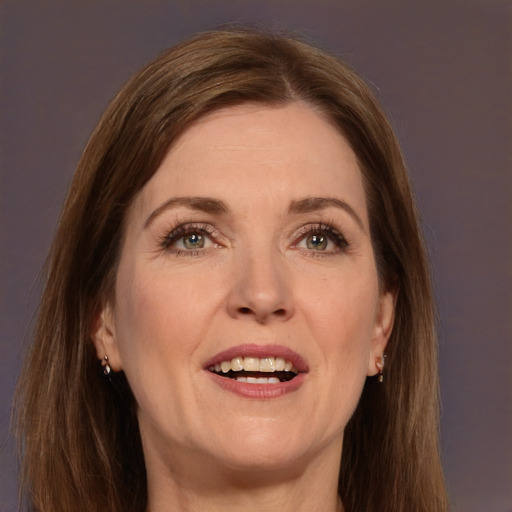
{"x": 104, "y": 337}
{"x": 383, "y": 325}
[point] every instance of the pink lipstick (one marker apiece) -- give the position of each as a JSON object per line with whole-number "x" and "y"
{"x": 258, "y": 371}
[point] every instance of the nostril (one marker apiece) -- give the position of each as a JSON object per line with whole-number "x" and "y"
{"x": 249, "y": 311}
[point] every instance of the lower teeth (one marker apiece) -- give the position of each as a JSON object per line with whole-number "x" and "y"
{"x": 256, "y": 377}
{"x": 258, "y": 380}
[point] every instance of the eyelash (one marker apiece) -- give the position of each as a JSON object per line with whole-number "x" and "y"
{"x": 326, "y": 230}
{"x": 166, "y": 242}
{"x": 181, "y": 231}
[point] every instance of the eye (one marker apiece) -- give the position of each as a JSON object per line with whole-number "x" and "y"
{"x": 321, "y": 238}
{"x": 316, "y": 242}
{"x": 189, "y": 239}
{"x": 192, "y": 241}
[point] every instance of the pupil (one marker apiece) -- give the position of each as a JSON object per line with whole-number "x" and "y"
{"x": 317, "y": 242}
{"x": 193, "y": 241}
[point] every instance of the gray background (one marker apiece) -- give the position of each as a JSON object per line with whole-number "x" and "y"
{"x": 444, "y": 73}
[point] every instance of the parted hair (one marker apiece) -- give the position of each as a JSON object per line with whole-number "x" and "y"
{"x": 80, "y": 447}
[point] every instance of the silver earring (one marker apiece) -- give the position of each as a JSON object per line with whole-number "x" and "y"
{"x": 380, "y": 365}
{"x": 106, "y": 366}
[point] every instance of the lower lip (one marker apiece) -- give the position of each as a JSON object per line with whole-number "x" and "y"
{"x": 258, "y": 391}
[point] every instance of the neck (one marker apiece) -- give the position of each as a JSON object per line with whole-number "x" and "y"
{"x": 305, "y": 486}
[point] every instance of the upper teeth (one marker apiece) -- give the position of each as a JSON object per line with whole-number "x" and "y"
{"x": 255, "y": 364}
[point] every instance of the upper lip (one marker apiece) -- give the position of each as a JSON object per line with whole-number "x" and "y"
{"x": 260, "y": 351}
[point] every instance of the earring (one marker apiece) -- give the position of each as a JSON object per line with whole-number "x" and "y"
{"x": 380, "y": 365}
{"x": 106, "y": 366}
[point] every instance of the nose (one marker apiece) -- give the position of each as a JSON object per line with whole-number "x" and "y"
{"x": 261, "y": 289}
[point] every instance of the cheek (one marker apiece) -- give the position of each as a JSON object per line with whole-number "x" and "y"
{"x": 342, "y": 303}
{"x": 161, "y": 316}
{"x": 340, "y": 312}
{"x": 158, "y": 333}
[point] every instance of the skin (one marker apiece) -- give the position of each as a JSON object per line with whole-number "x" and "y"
{"x": 257, "y": 279}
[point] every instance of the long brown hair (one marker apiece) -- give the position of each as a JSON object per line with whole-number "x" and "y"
{"x": 79, "y": 438}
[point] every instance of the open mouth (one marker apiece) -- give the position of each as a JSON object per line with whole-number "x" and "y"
{"x": 254, "y": 370}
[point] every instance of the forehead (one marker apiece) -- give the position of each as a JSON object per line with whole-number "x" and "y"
{"x": 248, "y": 152}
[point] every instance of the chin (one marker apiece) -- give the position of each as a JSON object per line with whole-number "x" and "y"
{"x": 268, "y": 447}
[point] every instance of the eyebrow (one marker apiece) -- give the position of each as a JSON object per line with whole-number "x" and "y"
{"x": 217, "y": 206}
{"x": 203, "y": 204}
{"x": 311, "y": 204}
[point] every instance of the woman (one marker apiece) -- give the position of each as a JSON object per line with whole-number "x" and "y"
{"x": 238, "y": 313}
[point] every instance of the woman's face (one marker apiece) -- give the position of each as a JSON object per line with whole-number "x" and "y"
{"x": 248, "y": 256}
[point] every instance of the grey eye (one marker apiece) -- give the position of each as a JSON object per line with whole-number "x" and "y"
{"x": 193, "y": 241}
{"x": 316, "y": 242}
